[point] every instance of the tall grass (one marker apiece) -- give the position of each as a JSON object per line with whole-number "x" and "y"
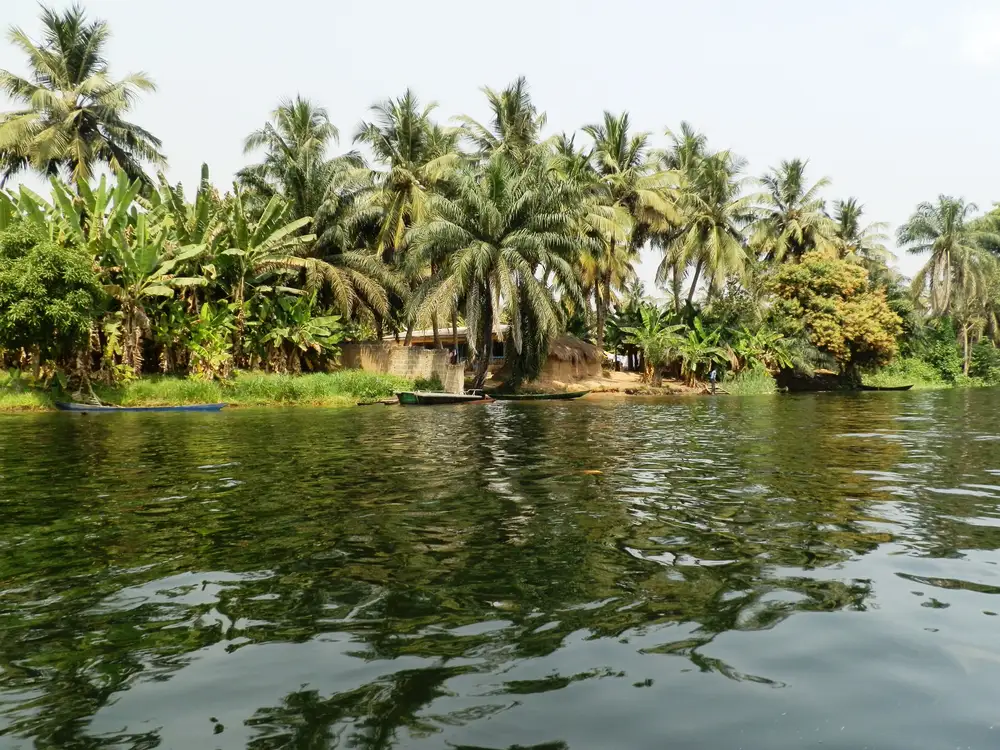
{"x": 907, "y": 371}
{"x": 344, "y": 388}
{"x": 751, "y": 383}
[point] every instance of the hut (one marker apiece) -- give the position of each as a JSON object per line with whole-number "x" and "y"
{"x": 572, "y": 359}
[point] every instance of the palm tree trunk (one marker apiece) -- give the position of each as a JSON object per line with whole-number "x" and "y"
{"x": 437, "y": 336}
{"x": 694, "y": 281}
{"x": 486, "y": 339}
{"x": 454, "y": 329}
{"x": 409, "y": 334}
{"x": 965, "y": 349}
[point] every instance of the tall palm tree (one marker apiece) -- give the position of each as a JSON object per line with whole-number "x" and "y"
{"x": 716, "y": 214}
{"x": 598, "y": 223}
{"x": 515, "y": 125}
{"x": 854, "y": 238}
{"x": 405, "y": 140}
{"x": 74, "y": 114}
{"x": 629, "y": 179}
{"x": 419, "y": 155}
{"x": 955, "y": 246}
{"x": 501, "y": 226}
{"x": 793, "y": 215}
{"x": 295, "y": 166}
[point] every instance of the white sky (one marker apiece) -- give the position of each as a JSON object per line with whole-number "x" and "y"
{"x": 894, "y": 100}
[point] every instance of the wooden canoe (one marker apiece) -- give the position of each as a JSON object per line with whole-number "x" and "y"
{"x": 97, "y": 409}
{"x": 886, "y": 387}
{"x": 431, "y": 398}
{"x": 539, "y": 396}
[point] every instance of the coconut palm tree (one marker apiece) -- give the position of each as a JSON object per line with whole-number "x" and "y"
{"x": 793, "y": 217}
{"x": 501, "y": 227}
{"x": 954, "y": 243}
{"x": 73, "y": 114}
{"x": 598, "y": 223}
{"x": 628, "y": 179}
{"x": 716, "y": 213}
{"x": 296, "y": 166}
{"x": 854, "y": 238}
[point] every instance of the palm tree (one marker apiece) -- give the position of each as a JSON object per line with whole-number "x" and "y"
{"x": 499, "y": 229}
{"x": 716, "y": 214}
{"x": 793, "y": 217}
{"x": 73, "y": 114}
{"x": 295, "y": 165}
{"x": 628, "y": 179}
{"x": 514, "y": 128}
{"x": 955, "y": 244}
{"x": 855, "y": 239}
{"x": 419, "y": 155}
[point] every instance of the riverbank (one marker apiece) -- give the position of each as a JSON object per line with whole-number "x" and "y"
{"x": 336, "y": 389}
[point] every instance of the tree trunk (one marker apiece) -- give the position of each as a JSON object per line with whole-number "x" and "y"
{"x": 454, "y": 329}
{"x": 239, "y": 327}
{"x": 437, "y": 336}
{"x": 486, "y": 340}
{"x": 657, "y": 379}
{"x": 965, "y": 349}
{"x": 694, "y": 282}
{"x": 409, "y": 335}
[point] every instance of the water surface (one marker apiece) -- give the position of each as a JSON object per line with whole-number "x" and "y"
{"x": 776, "y": 572}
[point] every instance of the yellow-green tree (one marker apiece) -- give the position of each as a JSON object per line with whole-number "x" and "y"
{"x": 833, "y": 304}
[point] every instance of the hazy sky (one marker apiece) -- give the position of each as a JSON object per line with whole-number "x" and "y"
{"x": 894, "y": 100}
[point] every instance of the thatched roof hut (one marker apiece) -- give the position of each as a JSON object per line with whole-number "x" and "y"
{"x": 571, "y": 358}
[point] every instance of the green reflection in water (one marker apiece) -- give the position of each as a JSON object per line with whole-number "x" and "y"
{"x": 498, "y": 576}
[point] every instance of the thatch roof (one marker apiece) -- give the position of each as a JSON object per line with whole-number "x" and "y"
{"x": 568, "y": 348}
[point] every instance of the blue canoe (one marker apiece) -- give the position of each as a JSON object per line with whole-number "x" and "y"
{"x": 92, "y": 409}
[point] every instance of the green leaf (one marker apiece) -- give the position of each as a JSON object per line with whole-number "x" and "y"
{"x": 158, "y": 290}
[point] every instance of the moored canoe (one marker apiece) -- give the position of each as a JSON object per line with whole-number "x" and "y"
{"x": 431, "y": 398}
{"x": 97, "y": 409}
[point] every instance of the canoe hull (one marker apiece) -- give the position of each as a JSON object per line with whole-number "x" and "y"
{"x": 539, "y": 396}
{"x": 92, "y": 409}
{"x": 430, "y": 398}
{"x": 886, "y": 388}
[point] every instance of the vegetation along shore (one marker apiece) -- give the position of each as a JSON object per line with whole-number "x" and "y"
{"x": 117, "y": 283}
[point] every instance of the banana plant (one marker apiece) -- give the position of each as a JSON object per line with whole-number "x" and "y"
{"x": 257, "y": 247}
{"x": 700, "y": 347}
{"x": 289, "y": 332}
{"x": 144, "y": 270}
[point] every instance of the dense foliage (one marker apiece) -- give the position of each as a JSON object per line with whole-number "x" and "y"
{"x": 486, "y": 223}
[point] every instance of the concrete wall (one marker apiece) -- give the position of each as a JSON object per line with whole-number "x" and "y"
{"x": 406, "y": 361}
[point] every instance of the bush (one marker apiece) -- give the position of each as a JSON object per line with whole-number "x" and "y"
{"x": 908, "y": 371}
{"x": 985, "y": 362}
{"x": 753, "y": 381}
{"x": 433, "y": 383}
{"x": 939, "y": 348}
{"x": 49, "y": 294}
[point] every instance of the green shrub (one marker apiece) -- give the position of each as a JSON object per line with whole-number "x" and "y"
{"x": 753, "y": 381}
{"x": 909, "y": 371}
{"x": 433, "y": 383}
{"x": 985, "y": 363}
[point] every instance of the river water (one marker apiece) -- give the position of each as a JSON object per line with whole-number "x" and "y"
{"x": 772, "y": 573}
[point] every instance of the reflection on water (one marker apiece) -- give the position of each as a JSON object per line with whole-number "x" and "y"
{"x": 758, "y": 573}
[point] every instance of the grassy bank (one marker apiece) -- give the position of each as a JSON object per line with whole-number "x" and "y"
{"x": 344, "y": 388}
{"x": 911, "y": 371}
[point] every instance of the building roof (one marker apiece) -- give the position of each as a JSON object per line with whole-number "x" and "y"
{"x": 445, "y": 333}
